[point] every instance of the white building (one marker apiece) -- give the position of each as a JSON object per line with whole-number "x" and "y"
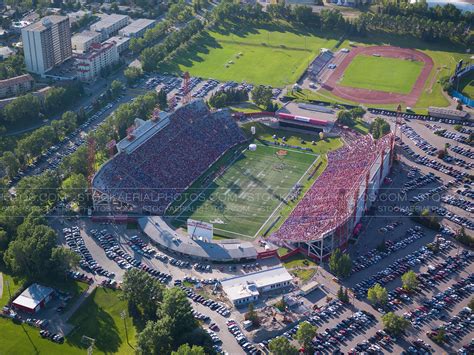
{"x": 33, "y": 298}
{"x": 121, "y": 42}
{"x": 247, "y": 288}
{"x": 46, "y": 43}
{"x": 137, "y": 28}
{"x": 82, "y": 41}
{"x": 109, "y": 25}
{"x": 99, "y": 56}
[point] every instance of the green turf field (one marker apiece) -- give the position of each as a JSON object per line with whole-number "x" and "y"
{"x": 275, "y": 56}
{"x": 240, "y": 201}
{"x": 382, "y": 73}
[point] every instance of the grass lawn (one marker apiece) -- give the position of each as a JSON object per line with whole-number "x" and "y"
{"x": 361, "y": 127}
{"x": 304, "y": 274}
{"x": 15, "y": 285}
{"x": 274, "y": 55}
{"x": 99, "y": 318}
{"x": 382, "y": 74}
{"x": 21, "y": 339}
{"x": 298, "y": 260}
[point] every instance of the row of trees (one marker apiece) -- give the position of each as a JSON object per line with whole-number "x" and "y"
{"x": 34, "y": 144}
{"x": 224, "y": 98}
{"x": 30, "y": 108}
{"x": 12, "y": 66}
{"x": 152, "y": 56}
{"x": 167, "y": 313}
{"x": 349, "y": 117}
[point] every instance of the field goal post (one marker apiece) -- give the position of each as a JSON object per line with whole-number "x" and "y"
{"x": 90, "y": 342}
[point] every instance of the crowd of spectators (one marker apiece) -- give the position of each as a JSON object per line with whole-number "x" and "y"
{"x": 326, "y": 205}
{"x": 159, "y": 170}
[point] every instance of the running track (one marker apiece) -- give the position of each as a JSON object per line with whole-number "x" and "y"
{"x": 375, "y": 96}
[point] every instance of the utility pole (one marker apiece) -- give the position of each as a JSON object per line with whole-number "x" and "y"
{"x": 9, "y": 291}
{"x": 123, "y": 315}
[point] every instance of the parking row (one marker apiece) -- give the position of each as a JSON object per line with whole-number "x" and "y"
{"x": 389, "y": 247}
{"x": 218, "y": 307}
{"x": 76, "y": 243}
{"x": 453, "y": 217}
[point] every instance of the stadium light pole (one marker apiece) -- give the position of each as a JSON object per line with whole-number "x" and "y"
{"x": 123, "y": 315}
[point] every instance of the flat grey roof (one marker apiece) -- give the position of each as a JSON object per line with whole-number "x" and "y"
{"x": 107, "y": 21}
{"x": 163, "y": 235}
{"x": 42, "y": 24}
{"x": 309, "y": 111}
{"x": 137, "y": 26}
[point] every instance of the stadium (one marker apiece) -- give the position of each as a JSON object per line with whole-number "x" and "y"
{"x": 202, "y": 165}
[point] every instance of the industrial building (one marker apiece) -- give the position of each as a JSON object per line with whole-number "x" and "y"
{"x": 247, "y": 288}
{"x": 448, "y": 113}
{"x": 137, "y": 28}
{"x": 109, "y": 25}
{"x": 99, "y": 56}
{"x": 34, "y": 298}
{"x": 46, "y": 43}
{"x": 82, "y": 41}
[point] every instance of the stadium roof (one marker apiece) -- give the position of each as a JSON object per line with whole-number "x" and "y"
{"x": 228, "y": 250}
{"x": 308, "y": 113}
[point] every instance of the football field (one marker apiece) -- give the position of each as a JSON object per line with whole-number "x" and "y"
{"x": 241, "y": 199}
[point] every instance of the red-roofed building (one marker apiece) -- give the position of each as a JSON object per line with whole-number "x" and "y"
{"x": 98, "y": 57}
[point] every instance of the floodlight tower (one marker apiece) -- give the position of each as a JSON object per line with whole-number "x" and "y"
{"x": 186, "y": 89}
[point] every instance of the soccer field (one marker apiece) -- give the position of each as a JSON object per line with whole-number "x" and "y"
{"x": 275, "y": 56}
{"x": 240, "y": 201}
{"x": 382, "y": 73}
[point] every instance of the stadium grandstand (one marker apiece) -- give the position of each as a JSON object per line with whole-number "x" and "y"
{"x": 307, "y": 117}
{"x": 332, "y": 208}
{"x": 160, "y": 159}
{"x": 319, "y": 63}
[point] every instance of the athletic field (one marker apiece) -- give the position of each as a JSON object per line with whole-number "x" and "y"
{"x": 382, "y": 74}
{"x": 240, "y": 199}
{"x": 275, "y": 56}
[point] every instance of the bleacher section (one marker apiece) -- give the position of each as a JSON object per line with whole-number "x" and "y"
{"x": 319, "y": 63}
{"x": 150, "y": 177}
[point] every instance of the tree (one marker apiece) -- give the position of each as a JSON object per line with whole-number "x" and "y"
{"x": 54, "y": 99}
{"x": 379, "y": 127}
{"x": 340, "y": 264}
{"x": 281, "y": 346}
{"x": 63, "y": 260}
{"x": 281, "y": 305}
{"x": 357, "y": 112}
{"x": 74, "y": 188}
{"x": 132, "y": 74}
{"x": 471, "y": 303}
{"x": 394, "y": 324}
{"x": 30, "y": 255}
{"x": 410, "y": 280}
{"x": 185, "y": 349}
{"x": 143, "y": 292}
{"x": 344, "y": 118}
{"x": 377, "y": 294}
{"x": 9, "y": 164}
{"x": 26, "y": 107}
{"x": 163, "y": 100}
{"x": 262, "y": 95}
{"x": 116, "y": 88}
{"x": 305, "y": 335}
{"x": 440, "y": 336}
{"x": 252, "y": 315}
{"x": 155, "y": 338}
{"x": 176, "y": 306}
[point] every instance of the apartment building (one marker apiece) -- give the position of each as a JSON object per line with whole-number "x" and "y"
{"x": 46, "y": 43}
{"x": 109, "y": 25}
{"x": 82, "y": 41}
{"x": 99, "y": 56}
{"x": 16, "y": 86}
{"x": 137, "y": 28}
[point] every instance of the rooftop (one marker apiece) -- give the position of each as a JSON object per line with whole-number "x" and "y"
{"x": 309, "y": 112}
{"x": 16, "y": 80}
{"x": 238, "y": 287}
{"x": 107, "y": 21}
{"x": 85, "y": 35}
{"x": 447, "y": 111}
{"x": 32, "y": 296}
{"x": 136, "y": 26}
{"x": 45, "y": 22}
{"x": 222, "y": 250}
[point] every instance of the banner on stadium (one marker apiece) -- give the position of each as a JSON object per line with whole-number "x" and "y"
{"x": 200, "y": 230}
